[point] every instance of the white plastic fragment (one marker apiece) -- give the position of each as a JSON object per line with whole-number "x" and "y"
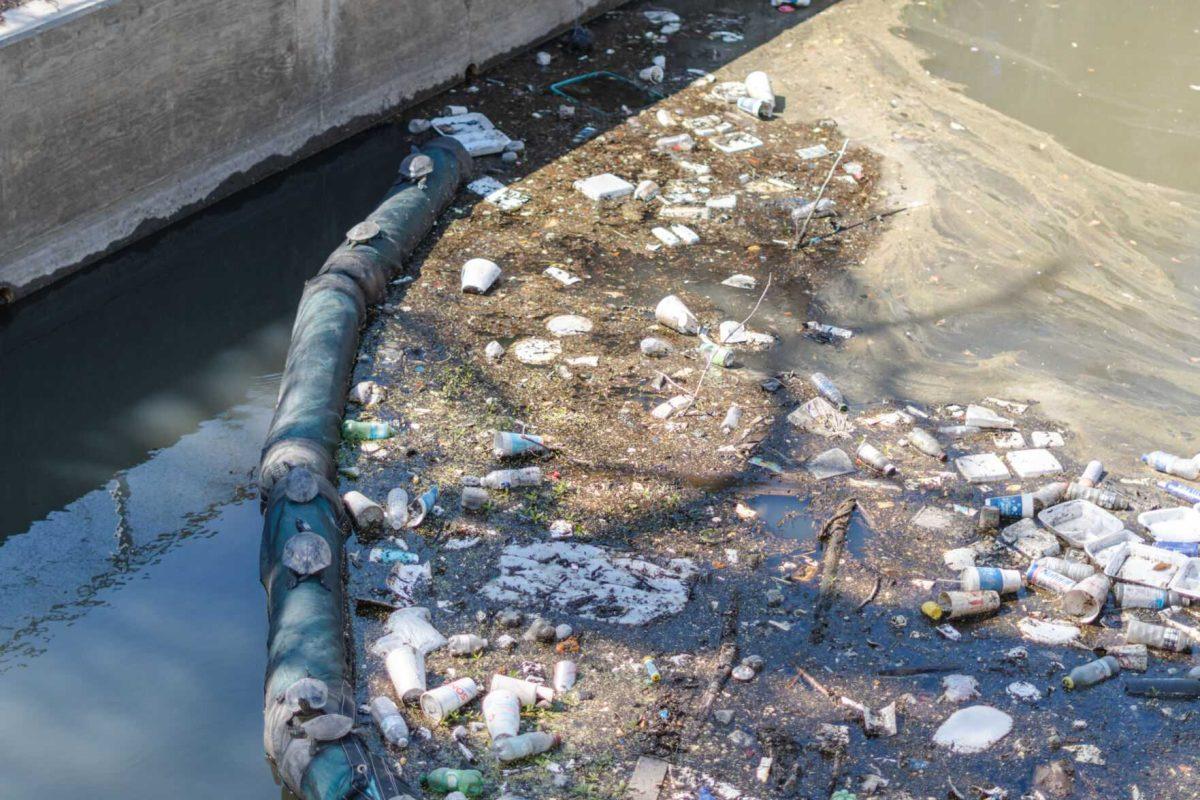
{"x": 959, "y": 688}
{"x": 740, "y": 281}
{"x": 535, "y": 351}
{"x": 561, "y": 275}
{"x": 666, "y": 237}
{"x": 478, "y": 275}
{"x": 981, "y": 468}
{"x": 973, "y": 729}
{"x": 1033, "y": 463}
{"x": 569, "y": 325}
{"x": 1048, "y": 633}
{"x": 604, "y": 187}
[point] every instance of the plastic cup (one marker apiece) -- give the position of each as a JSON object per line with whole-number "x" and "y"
{"x": 501, "y": 713}
{"x": 478, "y": 275}
{"x": 439, "y": 703}
{"x": 406, "y": 668}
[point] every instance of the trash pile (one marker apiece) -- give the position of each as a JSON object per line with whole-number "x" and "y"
{"x": 566, "y": 436}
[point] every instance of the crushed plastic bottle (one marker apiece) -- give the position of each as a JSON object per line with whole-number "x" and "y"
{"x": 396, "y": 512}
{"x": 391, "y": 723}
{"x": 1091, "y": 673}
{"x": 1104, "y": 498}
{"x": 869, "y": 454}
{"x": 1075, "y": 570}
{"x": 512, "y": 478}
{"x": 513, "y": 748}
{"x": 828, "y": 390}
{"x": 1185, "y": 468}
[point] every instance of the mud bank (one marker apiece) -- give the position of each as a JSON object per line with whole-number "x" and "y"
{"x": 1032, "y": 272}
{"x": 709, "y": 538}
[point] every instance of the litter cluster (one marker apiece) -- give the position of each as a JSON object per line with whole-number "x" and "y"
{"x": 590, "y": 334}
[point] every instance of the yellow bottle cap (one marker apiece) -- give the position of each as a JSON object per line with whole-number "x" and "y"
{"x": 932, "y": 610}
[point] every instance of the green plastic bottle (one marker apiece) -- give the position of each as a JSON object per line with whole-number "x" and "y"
{"x": 444, "y": 779}
{"x": 357, "y": 429}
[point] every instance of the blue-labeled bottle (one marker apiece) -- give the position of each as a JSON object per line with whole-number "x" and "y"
{"x": 1188, "y": 494}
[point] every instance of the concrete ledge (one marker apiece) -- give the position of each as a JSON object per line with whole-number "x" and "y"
{"x": 119, "y": 116}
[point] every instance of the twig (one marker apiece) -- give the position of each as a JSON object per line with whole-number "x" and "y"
{"x": 874, "y": 593}
{"x": 741, "y": 325}
{"x": 803, "y": 230}
{"x": 815, "y": 684}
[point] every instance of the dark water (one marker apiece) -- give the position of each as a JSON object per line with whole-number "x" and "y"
{"x": 134, "y": 401}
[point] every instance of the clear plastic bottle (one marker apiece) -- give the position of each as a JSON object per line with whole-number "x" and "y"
{"x": 828, "y": 390}
{"x": 397, "y": 508}
{"x": 1185, "y": 468}
{"x": 1075, "y": 570}
{"x": 391, "y": 723}
{"x": 465, "y": 644}
{"x": 869, "y": 454}
{"x": 1157, "y": 636}
{"x": 1091, "y": 673}
{"x": 512, "y": 748}
{"x": 512, "y": 478}
{"x": 1101, "y": 497}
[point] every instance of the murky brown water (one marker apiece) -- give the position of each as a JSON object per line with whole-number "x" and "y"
{"x": 1051, "y": 147}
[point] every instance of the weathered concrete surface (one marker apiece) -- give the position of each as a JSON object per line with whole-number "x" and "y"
{"x": 117, "y": 115}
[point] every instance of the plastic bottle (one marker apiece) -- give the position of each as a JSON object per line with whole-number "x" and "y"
{"x": 826, "y": 389}
{"x": 1046, "y": 578}
{"x": 1131, "y": 595}
{"x": 396, "y": 512}
{"x": 652, "y": 670}
{"x": 1101, "y": 497}
{"x": 1185, "y": 468}
{"x": 958, "y": 431}
{"x": 465, "y": 644}
{"x": 1004, "y": 581}
{"x": 444, "y": 779}
{"x": 924, "y": 441}
{"x": 1157, "y": 636}
{"x": 1174, "y": 688}
{"x": 829, "y": 330}
{"x": 357, "y": 429}
{"x": 1188, "y": 494}
{"x": 1015, "y": 506}
{"x": 391, "y": 723}
{"x": 392, "y": 555}
{"x": 1189, "y": 549}
{"x": 719, "y": 354}
{"x": 869, "y": 454}
{"x": 1092, "y": 673}
{"x": 1075, "y": 570}
{"x": 512, "y": 478}
{"x": 512, "y": 748}
{"x": 955, "y": 605}
{"x": 1092, "y": 474}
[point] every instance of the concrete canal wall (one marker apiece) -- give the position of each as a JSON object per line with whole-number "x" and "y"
{"x": 117, "y": 116}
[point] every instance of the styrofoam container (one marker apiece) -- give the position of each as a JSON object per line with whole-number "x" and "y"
{"x": 1180, "y": 524}
{"x": 1077, "y": 522}
{"x": 1187, "y": 579}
